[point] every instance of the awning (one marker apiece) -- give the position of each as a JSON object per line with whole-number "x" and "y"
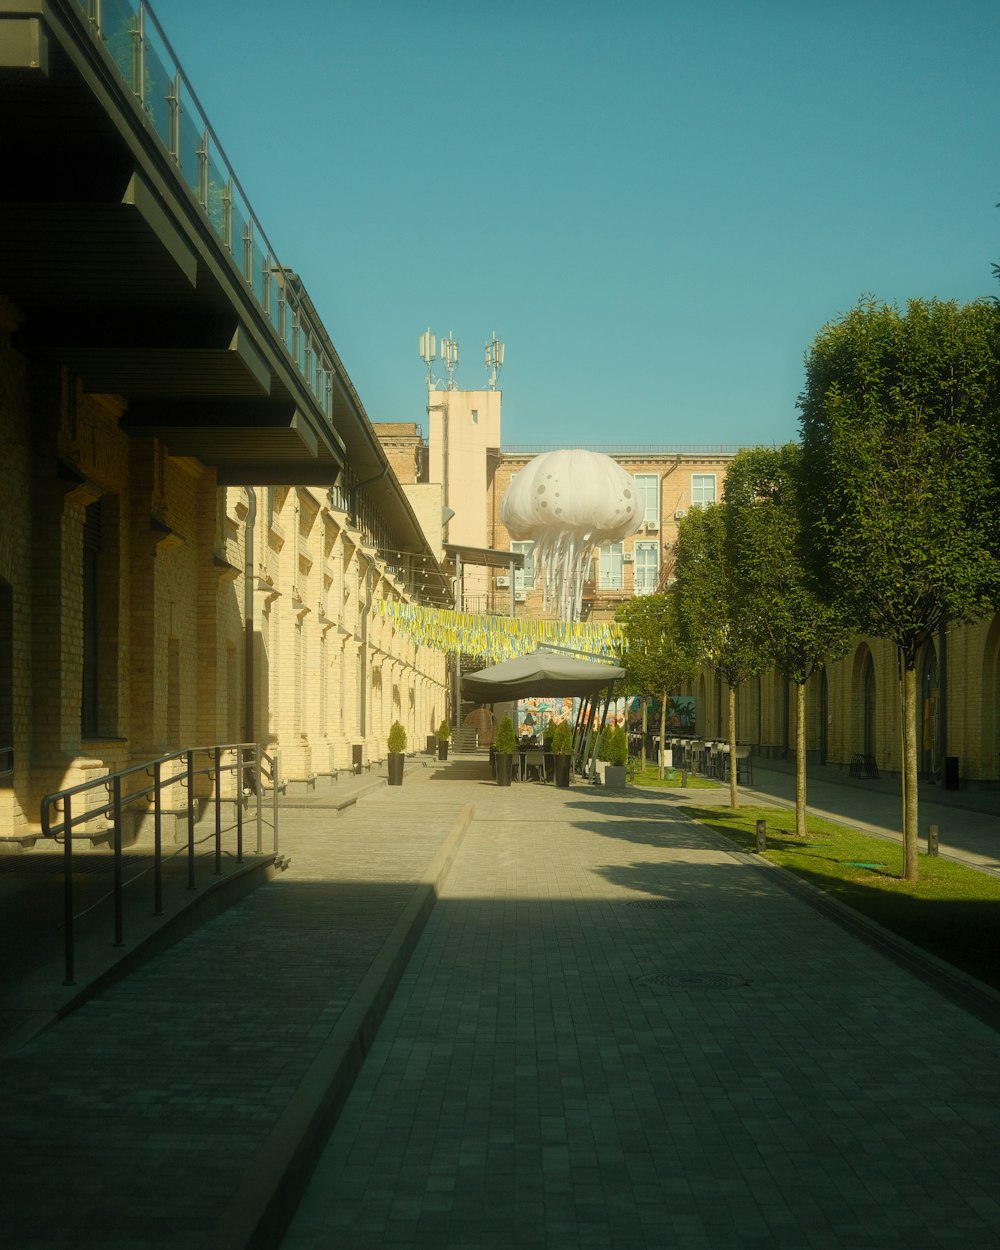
{"x": 539, "y": 673}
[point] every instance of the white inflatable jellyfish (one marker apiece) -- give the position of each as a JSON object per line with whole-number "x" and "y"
{"x": 568, "y": 503}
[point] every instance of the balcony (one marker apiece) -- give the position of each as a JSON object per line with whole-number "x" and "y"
{"x": 131, "y": 248}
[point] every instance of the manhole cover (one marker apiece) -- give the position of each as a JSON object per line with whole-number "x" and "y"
{"x": 673, "y": 903}
{"x": 694, "y": 980}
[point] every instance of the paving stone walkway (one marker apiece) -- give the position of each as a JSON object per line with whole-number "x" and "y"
{"x": 616, "y": 1033}
{"x": 168, "y": 1112}
{"x": 613, "y": 1032}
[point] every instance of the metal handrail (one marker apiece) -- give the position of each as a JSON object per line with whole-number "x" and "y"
{"x": 6, "y": 763}
{"x": 254, "y": 770}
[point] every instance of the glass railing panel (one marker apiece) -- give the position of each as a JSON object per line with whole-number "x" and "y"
{"x": 242, "y": 233}
{"x": 192, "y": 134}
{"x": 119, "y": 29}
{"x": 258, "y": 274}
{"x": 273, "y": 293}
{"x": 151, "y": 71}
{"x": 218, "y": 205}
{"x": 159, "y": 73}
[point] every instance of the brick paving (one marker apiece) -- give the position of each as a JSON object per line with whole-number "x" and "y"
{"x": 535, "y": 1081}
{"x": 136, "y": 1122}
{"x": 530, "y": 1086}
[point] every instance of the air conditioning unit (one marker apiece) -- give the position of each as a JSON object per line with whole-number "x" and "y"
{"x": 680, "y": 514}
{"x": 652, "y": 527}
{"x": 628, "y": 557}
{"x": 520, "y": 596}
{"x": 503, "y": 581}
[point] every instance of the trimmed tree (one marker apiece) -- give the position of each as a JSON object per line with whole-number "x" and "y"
{"x": 900, "y": 497}
{"x": 714, "y": 620}
{"x": 652, "y": 655}
{"x": 792, "y": 625}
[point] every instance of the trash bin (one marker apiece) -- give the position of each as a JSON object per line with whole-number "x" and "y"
{"x": 951, "y": 772}
{"x": 358, "y": 756}
{"x": 432, "y": 744}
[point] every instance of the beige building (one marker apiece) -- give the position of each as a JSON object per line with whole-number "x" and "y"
{"x": 197, "y": 522}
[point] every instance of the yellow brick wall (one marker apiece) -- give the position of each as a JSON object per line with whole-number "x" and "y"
{"x": 171, "y": 588}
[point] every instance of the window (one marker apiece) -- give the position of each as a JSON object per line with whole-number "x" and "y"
{"x": 646, "y": 568}
{"x": 610, "y": 566}
{"x": 524, "y": 579}
{"x": 702, "y": 489}
{"x": 648, "y": 489}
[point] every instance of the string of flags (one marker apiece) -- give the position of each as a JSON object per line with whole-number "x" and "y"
{"x": 497, "y": 638}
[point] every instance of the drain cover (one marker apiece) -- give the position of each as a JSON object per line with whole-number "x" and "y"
{"x": 694, "y": 980}
{"x": 672, "y": 903}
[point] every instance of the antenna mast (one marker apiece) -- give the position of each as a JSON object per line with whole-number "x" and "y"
{"x": 428, "y": 352}
{"x": 449, "y": 354}
{"x": 494, "y": 360}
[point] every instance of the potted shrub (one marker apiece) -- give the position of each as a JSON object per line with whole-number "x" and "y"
{"x": 443, "y": 734}
{"x": 397, "y": 753}
{"x": 617, "y": 749}
{"x": 562, "y": 751}
{"x": 506, "y": 745}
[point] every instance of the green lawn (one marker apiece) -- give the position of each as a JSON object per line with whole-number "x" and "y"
{"x": 951, "y": 911}
{"x": 671, "y": 777}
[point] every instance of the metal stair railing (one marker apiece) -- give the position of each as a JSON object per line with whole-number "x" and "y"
{"x": 254, "y": 772}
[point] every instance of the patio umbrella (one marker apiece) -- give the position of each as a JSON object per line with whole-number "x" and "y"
{"x": 539, "y": 673}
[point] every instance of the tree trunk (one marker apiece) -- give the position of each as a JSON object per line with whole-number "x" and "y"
{"x": 734, "y": 801}
{"x": 663, "y": 733}
{"x": 910, "y": 860}
{"x": 645, "y": 722}
{"x": 800, "y": 759}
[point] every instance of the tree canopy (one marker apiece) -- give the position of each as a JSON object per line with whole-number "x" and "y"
{"x": 900, "y": 472}
{"x": 899, "y": 464}
{"x": 792, "y": 624}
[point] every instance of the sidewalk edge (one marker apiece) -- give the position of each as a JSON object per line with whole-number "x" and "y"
{"x": 257, "y": 1215}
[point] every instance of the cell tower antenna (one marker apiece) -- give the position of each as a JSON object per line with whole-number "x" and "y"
{"x": 449, "y": 354}
{"x": 494, "y": 360}
{"x": 428, "y": 352}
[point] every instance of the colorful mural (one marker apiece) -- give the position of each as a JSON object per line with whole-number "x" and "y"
{"x": 534, "y": 714}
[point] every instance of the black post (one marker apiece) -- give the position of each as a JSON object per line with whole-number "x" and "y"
{"x": 190, "y": 788}
{"x": 68, "y": 888}
{"x": 239, "y": 804}
{"x": 157, "y": 843}
{"x": 218, "y": 810}
{"x": 932, "y": 839}
{"x": 119, "y": 911}
{"x": 761, "y": 835}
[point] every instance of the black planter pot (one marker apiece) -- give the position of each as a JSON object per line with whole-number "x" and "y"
{"x": 562, "y": 763}
{"x": 396, "y": 768}
{"x": 505, "y": 769}
{"x": 442, "y": 750}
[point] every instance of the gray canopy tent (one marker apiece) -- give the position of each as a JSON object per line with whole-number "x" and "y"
{"x": 545, "y": 672}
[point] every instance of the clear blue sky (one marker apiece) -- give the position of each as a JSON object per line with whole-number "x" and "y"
{"x": 655, "y": 205}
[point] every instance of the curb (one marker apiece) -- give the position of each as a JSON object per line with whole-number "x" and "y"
{"x": 966, "y": 991}
{"x": 258, "y": 1213}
